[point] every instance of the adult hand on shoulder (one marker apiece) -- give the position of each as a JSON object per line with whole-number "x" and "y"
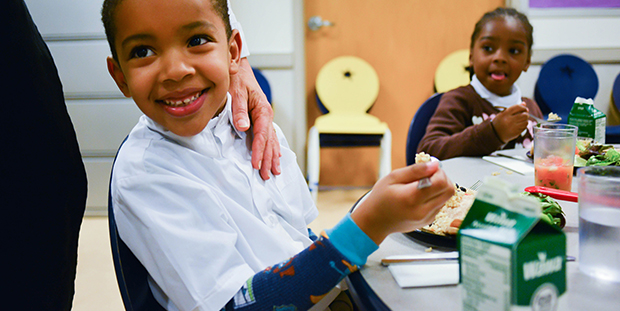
{"x": 247, "y": 96}
{"x": 395, "y": 203}
{"x": 510, "y": 123}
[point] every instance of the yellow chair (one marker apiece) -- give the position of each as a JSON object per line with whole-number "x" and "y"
{"x": 452, "y": 71}
{"x": 347, "y": 86}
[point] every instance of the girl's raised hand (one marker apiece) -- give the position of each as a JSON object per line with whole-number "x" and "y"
{"x": 395, "y": 203}
{"x": 510, "y": 123}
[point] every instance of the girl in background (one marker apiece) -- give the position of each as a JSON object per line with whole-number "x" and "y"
{"x": 488, "y": 114}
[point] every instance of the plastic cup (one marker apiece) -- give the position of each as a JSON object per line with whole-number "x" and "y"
{"x": 599, "y": 222}
{"x": 554, "y": 155}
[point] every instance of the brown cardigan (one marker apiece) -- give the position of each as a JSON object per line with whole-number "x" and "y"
{"x": 461, "y": 126}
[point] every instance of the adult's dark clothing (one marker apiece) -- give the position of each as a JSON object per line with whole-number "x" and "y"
{"x": 43, "y": 177}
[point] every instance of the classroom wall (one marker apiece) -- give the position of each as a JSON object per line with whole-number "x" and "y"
{"x": 588, "y": 33}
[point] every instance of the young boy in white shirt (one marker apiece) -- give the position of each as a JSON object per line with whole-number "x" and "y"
{"x": 210, "y": 231}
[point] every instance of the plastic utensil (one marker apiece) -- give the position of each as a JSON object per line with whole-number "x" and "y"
{"x": 537, "y": 119}
{"x": 554, "y": 193}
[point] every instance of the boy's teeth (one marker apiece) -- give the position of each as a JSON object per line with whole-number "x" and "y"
{"x": 181, "y": 102}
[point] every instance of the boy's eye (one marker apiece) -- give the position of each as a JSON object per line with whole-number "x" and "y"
{"x": 196, "y": 41}
{"x": 515, "y": 51}
{"x": 141, "y": 52}
{"x": 487, "y": 48}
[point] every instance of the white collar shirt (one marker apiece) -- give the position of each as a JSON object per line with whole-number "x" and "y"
{"x": 513, "y": 98}
{"x": 199, "y": 217}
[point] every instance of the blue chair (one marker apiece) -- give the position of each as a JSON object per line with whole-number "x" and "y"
{"x": 417, "y": 128}
{"x": 612, "y": 133}
{"x": 131, "y": 275}
{"x": 263, "y": 82}
{"x": 562, "y": 79}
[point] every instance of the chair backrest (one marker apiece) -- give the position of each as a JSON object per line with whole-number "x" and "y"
{"x": 615, "y": 94}
{"x": 452, "y": 71}
{"x": 417, "y": 128}
{"x": 131, "y": 275}
{"x": 562, "y": 79}
{"x": 263, "y": 82}
{"x": 347, "y": 84}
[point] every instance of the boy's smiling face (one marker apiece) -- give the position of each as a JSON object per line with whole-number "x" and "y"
{"x": 499, "y": 54}
{"x": 174, "y": 60}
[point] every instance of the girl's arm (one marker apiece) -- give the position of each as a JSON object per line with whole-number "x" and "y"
{"x": 451, "y": 132}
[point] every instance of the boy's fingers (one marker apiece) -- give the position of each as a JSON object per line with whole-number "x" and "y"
{"x": 414, "y": 172}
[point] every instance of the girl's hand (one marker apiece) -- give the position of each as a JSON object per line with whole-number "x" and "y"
{"x": 510, "y": 123}
{"x": 395, "y": 204}
{"x": 248, "y": 96}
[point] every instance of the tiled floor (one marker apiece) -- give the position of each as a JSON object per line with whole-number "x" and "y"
{"x": 96, "y": 288}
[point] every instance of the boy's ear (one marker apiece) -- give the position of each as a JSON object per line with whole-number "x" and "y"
{"x": 117, "y": 74}
{"x": 234, "y": 49}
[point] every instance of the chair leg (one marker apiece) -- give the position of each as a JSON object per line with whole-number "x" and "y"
{"x": 385, "y": 165}
{"x": 314, "y": 162}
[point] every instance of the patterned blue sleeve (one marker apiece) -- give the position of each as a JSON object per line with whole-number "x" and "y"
{"x": 301, "y": 281}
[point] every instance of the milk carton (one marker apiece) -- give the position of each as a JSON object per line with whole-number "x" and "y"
{"x": 590, "y": 121}
{"x": 510, "y": 259}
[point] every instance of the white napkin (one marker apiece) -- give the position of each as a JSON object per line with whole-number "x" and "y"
{"x": 426, "y": 273}
{"x": 518, "y": 166}
{"x": 421, "y": 274}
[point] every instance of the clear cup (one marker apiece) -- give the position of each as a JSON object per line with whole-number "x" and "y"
{"x": 599, "y": 221}
{"x": 554, "y": 155}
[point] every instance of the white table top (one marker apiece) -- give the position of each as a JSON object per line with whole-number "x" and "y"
{"x": 583, "y": 292}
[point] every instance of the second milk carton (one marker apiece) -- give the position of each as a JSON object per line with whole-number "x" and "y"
{"x": 509, "y": 258}
{"x": 590, "y": 121}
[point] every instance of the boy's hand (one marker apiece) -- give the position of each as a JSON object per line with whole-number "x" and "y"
{"x": 397, "y": 205}
{"x": 510, "y": 123}
{"x": 248, "y": 96}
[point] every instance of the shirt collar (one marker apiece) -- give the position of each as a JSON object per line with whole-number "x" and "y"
{"x": 225, "y": 116}
{"x": 504, "y": 101}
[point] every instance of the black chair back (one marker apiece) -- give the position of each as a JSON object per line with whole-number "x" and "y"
{"x": 131, "y": 275}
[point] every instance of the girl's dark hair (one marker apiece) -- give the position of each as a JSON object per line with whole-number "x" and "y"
{"x": 502, "y": 13}
{"x": 108, "y": 15}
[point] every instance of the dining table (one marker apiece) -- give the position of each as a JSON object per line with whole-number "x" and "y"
{"x": 376, "y": 286}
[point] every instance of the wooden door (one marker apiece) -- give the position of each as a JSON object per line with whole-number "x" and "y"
{"x": 404, "y": 40}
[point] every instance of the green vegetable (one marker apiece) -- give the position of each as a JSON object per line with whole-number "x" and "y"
{"x": 591, "y": 154}
{"x": 551, "y": 210}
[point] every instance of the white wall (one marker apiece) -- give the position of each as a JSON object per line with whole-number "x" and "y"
{"x": 592, "y": 34}
{"x": 274, "y": 33}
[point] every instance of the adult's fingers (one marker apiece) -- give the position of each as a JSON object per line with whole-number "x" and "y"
{"x": 265, "y": 145}
{"x": 239, "y": 96}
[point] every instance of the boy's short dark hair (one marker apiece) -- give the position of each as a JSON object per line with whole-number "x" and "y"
{"x": 108, "y": 12}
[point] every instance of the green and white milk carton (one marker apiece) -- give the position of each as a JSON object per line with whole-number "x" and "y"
{"x": 590, "y": 121}
{"x": 509, "y": 258}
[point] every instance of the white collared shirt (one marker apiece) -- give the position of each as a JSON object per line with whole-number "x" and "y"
{"x": 199, "y": 217}
{"x": 502, "y": 101}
